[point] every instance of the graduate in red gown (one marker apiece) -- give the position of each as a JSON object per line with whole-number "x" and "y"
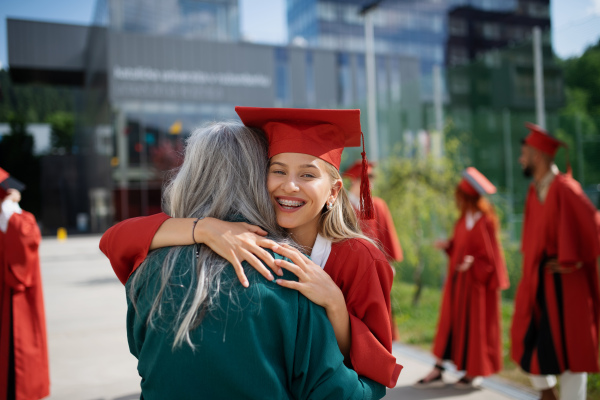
{"x": 557, "y": 305}
{"x": 468, "y": 332}
{"x": 381, "y": 228}
{"x": 346, "y": 273}
{"x": 24, "y": 372}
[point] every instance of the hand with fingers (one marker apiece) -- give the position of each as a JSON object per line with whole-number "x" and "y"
{"x": 316, "y": 285}
{"x": 238, "y": 242}
{"x": 466, "y": 264}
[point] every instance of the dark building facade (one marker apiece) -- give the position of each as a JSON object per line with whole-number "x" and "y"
{"x": 473, "y": 31}
{"x": 145, "y": 92}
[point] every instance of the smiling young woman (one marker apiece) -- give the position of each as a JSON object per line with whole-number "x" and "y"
{"x": 346, "y": 273}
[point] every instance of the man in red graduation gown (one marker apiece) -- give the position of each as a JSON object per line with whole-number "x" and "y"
{"x": 557, "y": 306}
{"x": 381, "y": 228}
{"x": 24, "y": 373}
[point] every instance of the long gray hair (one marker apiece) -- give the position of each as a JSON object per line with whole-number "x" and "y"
{"x": 223, "y": 175}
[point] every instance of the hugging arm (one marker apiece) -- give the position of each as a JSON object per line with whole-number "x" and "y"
{"x": 127, "y": 243}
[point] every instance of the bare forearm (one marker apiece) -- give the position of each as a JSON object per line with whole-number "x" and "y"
{"x": 174, "y": 232}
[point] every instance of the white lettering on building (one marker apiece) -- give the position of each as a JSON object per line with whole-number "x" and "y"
{"x": 146, "y": 74}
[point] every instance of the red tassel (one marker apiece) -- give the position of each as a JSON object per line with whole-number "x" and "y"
{"x": 366, "y": 202}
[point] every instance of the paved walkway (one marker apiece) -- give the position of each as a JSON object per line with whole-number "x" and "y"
{"x": 89, "y": 357}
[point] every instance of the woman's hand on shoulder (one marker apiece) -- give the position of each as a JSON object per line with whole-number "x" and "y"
{"x": 238, "y": 242}
{"x": 313, "y": 282}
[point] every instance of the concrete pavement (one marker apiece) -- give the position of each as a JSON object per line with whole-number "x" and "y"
{"x": 89, "y": 356}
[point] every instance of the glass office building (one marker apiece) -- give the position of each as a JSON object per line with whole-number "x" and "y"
{"x": 147, "y": 85}
{"x": 415, "y": 28}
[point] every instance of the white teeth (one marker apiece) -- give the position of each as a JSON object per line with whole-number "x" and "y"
{"x": 290, "y": 203}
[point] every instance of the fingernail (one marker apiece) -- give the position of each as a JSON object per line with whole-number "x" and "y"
{"x": 279, "y": 272}
{"x": 245, "y": 284}
{"x": 270, "y": 276}
{"x": 275, "y": 247}
{"x": 277, "y": 262}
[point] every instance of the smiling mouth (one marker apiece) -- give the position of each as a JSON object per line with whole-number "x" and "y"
{"x": 290, "y": 204}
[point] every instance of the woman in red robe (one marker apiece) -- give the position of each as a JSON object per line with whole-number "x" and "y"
{"x": 468, "y": 332}
{"x": 381, "y": 228}
{"x": 24, "y": 372}
{"x": 305, "y": 150}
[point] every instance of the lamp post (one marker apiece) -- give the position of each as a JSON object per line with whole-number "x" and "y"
{"x": 366, "y": 12}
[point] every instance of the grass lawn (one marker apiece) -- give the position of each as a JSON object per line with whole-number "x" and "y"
{"x": 417, "y": 327}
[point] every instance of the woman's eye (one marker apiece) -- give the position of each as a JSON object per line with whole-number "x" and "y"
{"x": 308, "y": 176}
{"x": 277, "y": 171}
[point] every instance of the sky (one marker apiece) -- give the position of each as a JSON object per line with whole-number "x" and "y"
{"x": 575, "y": 23}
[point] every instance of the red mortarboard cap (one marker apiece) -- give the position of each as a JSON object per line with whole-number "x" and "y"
{"x": 8, "y": 182}
{"x": 354, "y": 171}
{"x": 319, "y": 133}
{"x": 474, "y": 183}
{"x": 541, "y": 140}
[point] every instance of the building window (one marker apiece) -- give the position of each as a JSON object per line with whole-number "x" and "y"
{"x": 395, "y": 81}
{"x": 311, "y": 97}
{"x": 458, "y": 55}
{"x": 538, "y": 10}
{"x": 326, "y": 11}
{"x": 490, "y": 31}
{"x": 344, "y": 80}
{"x": 459, "y": 84}
{"x": 361, "y": 79}
{"x": 282, "y": 76}
{"x": 458, "y": 27}
{"x": 382, "y": 81}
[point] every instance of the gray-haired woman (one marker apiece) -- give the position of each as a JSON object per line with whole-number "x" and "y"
{"x": 193, "y": 327}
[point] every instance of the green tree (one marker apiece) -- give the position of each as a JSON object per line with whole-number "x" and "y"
{"x": 582, "y": 73}
{"x": 580, "y": 118}
{"x": 420, "y": 194}
{"x": 62, "y": 131}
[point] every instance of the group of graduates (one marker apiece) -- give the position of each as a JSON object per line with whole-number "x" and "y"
{"x": 555, "y": 326}
{"x": 177, "y": 321}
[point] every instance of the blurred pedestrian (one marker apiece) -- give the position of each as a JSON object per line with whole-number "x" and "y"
{"x": 557, "y": 306}
{"x": 381, "y": 228}
{"x": 468, "y": 332}
{"x": 24, "y": 372}
{"x": 195, "y": 330}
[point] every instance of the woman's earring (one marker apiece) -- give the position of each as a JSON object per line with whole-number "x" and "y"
{"x": 329, "y": 205}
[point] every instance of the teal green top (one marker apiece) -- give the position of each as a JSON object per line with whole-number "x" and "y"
{"x": 264, "y": 342}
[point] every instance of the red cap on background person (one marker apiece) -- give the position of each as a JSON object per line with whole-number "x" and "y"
{"x": 319, "y": 133}
{"x": 354, "y": 171}
{"x": 8, "y": 182}
{"x": 539, "y": 139}
{"x": 474, "y": 183}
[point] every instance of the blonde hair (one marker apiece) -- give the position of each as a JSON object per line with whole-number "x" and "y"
{"x": 339, "y": 222}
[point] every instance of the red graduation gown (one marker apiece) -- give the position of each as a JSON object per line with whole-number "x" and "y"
{"x": 468, "y": 331}
{"x": 356, "y": 266}
{"x": 21, "y": 299}
{"x": 382, "y": 230}
{"x": 556, "y": 321}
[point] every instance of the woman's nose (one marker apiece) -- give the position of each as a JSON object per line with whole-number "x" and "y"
{"x": 290, "y": 185}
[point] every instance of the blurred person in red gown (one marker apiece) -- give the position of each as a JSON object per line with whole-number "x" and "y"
{"x": 468, "y": 332}
{"x": 381, "y": 228}
{"x": 24, "y": 372}
{"x": 557, "y": 305}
